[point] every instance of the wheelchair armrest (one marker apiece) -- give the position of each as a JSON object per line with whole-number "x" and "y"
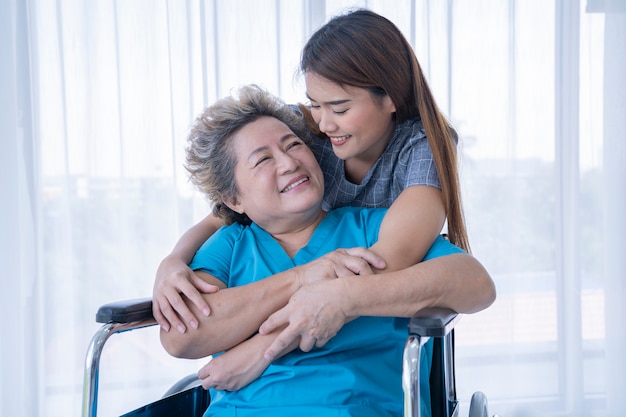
{"x": 119, "y": 316}
{"x": 126, "y": 311}
{"x": 433, "y": 322}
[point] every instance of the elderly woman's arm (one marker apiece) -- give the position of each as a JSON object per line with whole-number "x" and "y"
{"x": 237, "y": 313}
{"x": 174, "y": 280}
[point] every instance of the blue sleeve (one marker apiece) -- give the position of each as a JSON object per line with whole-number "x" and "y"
{"x": 215, "y": 255}
{"x": 372, "y": 218}
{"x": 442, "y": 247}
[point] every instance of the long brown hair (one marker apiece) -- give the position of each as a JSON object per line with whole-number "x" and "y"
{"x": 363, "y": 49}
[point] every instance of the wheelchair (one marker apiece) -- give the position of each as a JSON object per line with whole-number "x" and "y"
{"x": 187, "y": 398}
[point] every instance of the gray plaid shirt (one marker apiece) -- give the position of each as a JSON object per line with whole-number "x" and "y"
{"x": 407, "y": 161}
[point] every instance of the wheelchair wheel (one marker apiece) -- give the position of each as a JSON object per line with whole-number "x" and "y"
{"x": 478, "y": 405}
{"x": 190, "y": 381}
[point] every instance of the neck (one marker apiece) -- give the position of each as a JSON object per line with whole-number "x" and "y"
{"x": 356, "y": 168}
{"x": 297, "y": 237}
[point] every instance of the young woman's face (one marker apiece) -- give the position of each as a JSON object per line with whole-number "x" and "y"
{"x": 279, "y": 180}
{"x": 358, "y": 125}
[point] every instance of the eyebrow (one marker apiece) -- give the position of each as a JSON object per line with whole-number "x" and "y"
{"x": 332, "y": 103}
{"x": 263, "y": 148}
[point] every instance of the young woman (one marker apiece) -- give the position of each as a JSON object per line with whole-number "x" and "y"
{"x": 249, "y": 155}
{"x": 382, "y": 142}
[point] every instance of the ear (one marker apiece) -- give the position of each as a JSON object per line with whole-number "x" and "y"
{"x": 233, "y": 204}
{"x": 388, "y": 104}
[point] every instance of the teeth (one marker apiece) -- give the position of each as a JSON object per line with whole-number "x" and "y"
{"x": 339, "y": 138}
{"x": 295, "y": 184}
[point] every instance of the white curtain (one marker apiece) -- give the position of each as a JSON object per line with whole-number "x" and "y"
{"x": 96, "y": 101}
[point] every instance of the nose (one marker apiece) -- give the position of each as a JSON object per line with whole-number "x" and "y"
{"x": 286, "y": 163}
{"x": 326, "y": 121}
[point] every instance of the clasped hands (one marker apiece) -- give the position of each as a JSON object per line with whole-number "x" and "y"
{"x": 313, "y": 315}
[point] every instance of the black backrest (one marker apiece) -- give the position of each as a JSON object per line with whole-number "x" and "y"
{"x": 442, "y": 378}
{"x": 190, "y": 403}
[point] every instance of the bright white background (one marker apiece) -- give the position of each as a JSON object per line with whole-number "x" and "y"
{"x": 96, "y": 100}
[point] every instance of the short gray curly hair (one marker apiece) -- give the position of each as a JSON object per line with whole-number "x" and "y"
{"x": 210, "y": 159}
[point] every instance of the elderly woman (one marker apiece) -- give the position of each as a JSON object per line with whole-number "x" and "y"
{"x": 249, "y": 155}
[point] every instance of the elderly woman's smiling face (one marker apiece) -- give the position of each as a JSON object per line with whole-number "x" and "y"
{"x": 279, "y": 180}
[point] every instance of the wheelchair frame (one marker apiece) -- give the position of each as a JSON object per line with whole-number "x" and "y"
{"x": 122, "y": 316}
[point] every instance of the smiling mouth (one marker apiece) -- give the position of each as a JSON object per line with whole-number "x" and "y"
{"x": 339, "y": 139}
{"x": 294, "y": 185}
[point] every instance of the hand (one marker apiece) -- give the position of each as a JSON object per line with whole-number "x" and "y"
{"x": 314, "y": 314}
{"x": 238, "y": 366}
{"x": 338, "y": 264}
{"x": 168, "y": 307}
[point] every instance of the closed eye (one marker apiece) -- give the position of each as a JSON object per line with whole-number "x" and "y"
{"x": 294, "y": 144}
{"x": 261, "y": 160}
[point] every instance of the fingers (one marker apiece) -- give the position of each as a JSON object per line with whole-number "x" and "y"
{"x": 347, "y": 264}
{"x": 288, "y": 337}
{"x": 169, "y": 307}
{"x": 355, "y": 261}
{"x": 205, "y": 376}
{"x": 321, "y": 342}
{"x": 272, "y": 323}
{"x": 159, "y": 317}
{"x": 216, "y": 379}
{"x": 356, "y": 266}
{"x": 203, "y": 286}
{"x": 204, "y": 371}
{"x": 307, "y": 343}
{"x": 192, "y": 292}
{"x": 368, "y": 256}
{"x": 281, "y": 344}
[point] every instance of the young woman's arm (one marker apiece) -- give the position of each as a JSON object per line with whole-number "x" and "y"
{"x": 410, "y": 227}
{"x": 317, "y": 311}
{"x": 237, "y": 312}
{"x": 177, "y": 287}
{"x": 174, "y": 278}
{"x": 407, "y": 232}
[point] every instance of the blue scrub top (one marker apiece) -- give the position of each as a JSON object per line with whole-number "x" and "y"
{"x": 359, "y": 371}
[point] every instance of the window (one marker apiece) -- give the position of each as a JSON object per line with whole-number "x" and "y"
{"x": 100, "y": 96}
